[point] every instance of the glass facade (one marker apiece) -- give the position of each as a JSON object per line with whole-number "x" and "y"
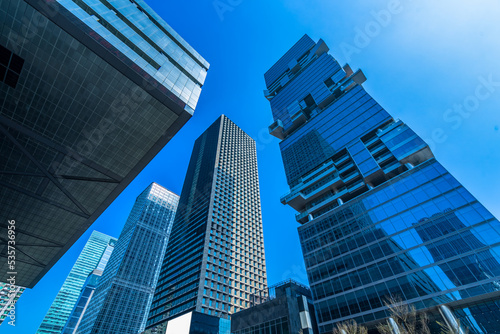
{"x": 123, "y": 294}
{"x": 275, "y": 326}
{"x": 90, "y": 91}
{"x": 284, "y": 308}
{"x": 95, "y": 255}
{"x": 380, "y": 216}
{"x": 143, "y": 37}
{"x": 215, "y": 258}
{"x": 81, "y": 304}
{"x": 87, "y": 292}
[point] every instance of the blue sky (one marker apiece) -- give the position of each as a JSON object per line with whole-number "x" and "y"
{"x": 423, "y": 60}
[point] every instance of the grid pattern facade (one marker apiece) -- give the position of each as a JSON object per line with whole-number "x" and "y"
{"x": 146, "y": 40}
{"x": 81, "y": 114}
{"x": 380, "y": 216}
{"x": 275, "y": 326}
{"x": 94, "y": 254}
{"x": 81, "y": 304}
{"x": 87, "y": 292}
{"x": 215, "y": 260}
{"x": 284, "y": 308}
{"x": 123, "y": 295}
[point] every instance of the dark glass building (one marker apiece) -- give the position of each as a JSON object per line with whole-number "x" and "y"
{"x": 379, "y": 215}
{"x": 284, "y": 308}
{"x": 123, "y": 294}
{"x": 215, "y": 257}
{"x": 90, "y": 92}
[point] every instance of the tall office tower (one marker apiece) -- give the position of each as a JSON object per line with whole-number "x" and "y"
{"x": 9, "y": 295}
{"x": 123, "y": 294}
{"x": 82, "y": 303}
{"x": 90, "y": 92}
{"x": 95, "y": 255}
{"x": 379, "y": 215}
{"x": 215, "y": 258}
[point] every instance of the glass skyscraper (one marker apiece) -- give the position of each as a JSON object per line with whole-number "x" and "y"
{"x": 121, "y": 300}
{"x": 90, "y": 92}
{"x": 379, "y": 215}
{"x": 82, "y": 303}
{"x": 215, "y": 258}
{"x": 87, "y": 292}
{"x": 95, "y": 255}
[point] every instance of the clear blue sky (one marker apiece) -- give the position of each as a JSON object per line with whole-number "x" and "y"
{"x": 421, "y": 60}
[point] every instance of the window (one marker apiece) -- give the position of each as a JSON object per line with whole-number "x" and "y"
{"x": 10, "y": 67}
{"x": 329, "y": 83}
{"x": 309, "y": 101}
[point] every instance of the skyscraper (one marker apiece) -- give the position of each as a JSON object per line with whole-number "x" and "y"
{"x": 82, "y": 303}
{"x": 215, "y": 258}
{"x": 95, "y": 255}
{"x": 370, "y": 198}
{"x": 123, "y": 294}
{"x": 90, "y": 92}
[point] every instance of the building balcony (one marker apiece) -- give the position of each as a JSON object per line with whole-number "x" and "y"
{"x": 341, "y": 87}
{"x": 298, "y": 200}
{"x": 268, "y": 95}
{"x": 294, "y": 66}
{"x": 355, "y": 186}
{"x": 395, "y": 165}
{"x": 299, "y": 118}
{"x": 371, "y": 141}
{"x": 308, "y": 179}
{"x": 276, "y": 129}
{"x": 377, "y": 149}
{"x": 303, "y": 217}
{"x": 341, "y": 160}
{"x": 383, "y": 157}
{"x": 350, "y": 176}
{"x": 346, "y": 167}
